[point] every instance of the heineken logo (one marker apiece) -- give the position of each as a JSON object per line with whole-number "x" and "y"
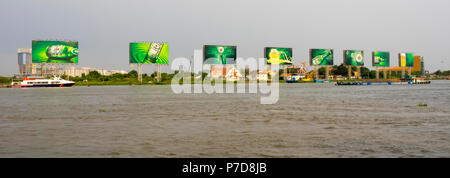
{"x": 221, "y": 49}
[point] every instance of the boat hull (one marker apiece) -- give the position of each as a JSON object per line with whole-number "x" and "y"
{"x": 43, "y": 85}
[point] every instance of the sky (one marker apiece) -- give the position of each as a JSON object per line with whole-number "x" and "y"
{"x": 104, "y": 28}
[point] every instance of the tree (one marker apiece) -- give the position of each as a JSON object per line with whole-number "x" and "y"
{"x": 446, "y": 73}
{"x": 322, "y": 71}
{"x": 5, "y": 80}
{"x": 438, "y": 72}
{"x": 365, "y": 72}
{"x": 340, "y": 70}
{"x": 133, "y": 74}
{"x": 93, "y": 75}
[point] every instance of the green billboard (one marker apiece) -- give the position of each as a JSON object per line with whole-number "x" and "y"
{"x": 354, "y": 57}
{"x": 54, "y": 51}
{"x": 380, "y": 59}
{"x": 275, "y": 55}
{"x": 219, "y": 54}
{"x": 321, "y": 57}
{"x": 149, "y": 53}
{"x": 406, "y": 59}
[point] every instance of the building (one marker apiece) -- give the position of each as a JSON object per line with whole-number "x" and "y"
{"x": 418, "y": 66}
{"x": 25, "y": 62}
{"x": 78, "y": 72}
{"x": 230, "y": 74}
{"x": 27, "y": 68}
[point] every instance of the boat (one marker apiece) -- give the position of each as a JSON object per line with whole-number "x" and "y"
{"x": 414, "y": 81}
{"x": 41, "y": 82}
{"x": 323, "y": 81}
{"x": 349, "y": 83}
{"x": 406, "y": 81}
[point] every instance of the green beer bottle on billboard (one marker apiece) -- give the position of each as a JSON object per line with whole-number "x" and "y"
{"x": 149, "y": 53}
{"x": 61, "y": 52}
{"x": 380, "y": 59}
{"x": 354, "y": 57}
{"x": 321, "y": 57}
{"x": 219, "y": 54}
{"x": 54, "y": 51}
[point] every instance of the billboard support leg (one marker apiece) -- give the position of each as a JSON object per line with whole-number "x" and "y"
{"x": 349, "y": 68}
{"x": 140, "y": 72}
{"x": 159, "y": 73}
{"x": 211, "y": 67}
{"x": 43, "y": 69}
{"x": 326, "y": 73}
{"x": 377, "y": 73}
{"x": 403, "y": 72}
{"x": 409, "y": 71}
{"x": 385, "y": 74}
{"x": 358, "y": 71}
{"x": 316, "y": 74}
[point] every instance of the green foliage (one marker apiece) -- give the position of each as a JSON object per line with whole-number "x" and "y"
{"x": 365, "y": 72}
{"x": 93, "y": 75}
{"x": 133, "y": 74}
{"x": 131, "y": 78}
{"x": 340, "y": 70}
{"x": 5, "y": 80}
{"x": 322, "y": 71}
{"x": 442, "y": 73}
{"x": 422, "y": 104}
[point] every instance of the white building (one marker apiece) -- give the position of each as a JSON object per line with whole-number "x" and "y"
{"x": 78, "y": 72}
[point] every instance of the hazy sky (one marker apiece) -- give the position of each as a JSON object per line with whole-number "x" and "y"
{"x": 104, "y": 28}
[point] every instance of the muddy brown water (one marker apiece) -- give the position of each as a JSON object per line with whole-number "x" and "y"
{"x": 309, "y": 120}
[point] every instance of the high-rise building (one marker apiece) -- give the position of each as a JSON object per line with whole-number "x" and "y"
{"x": 24, "y": 61}
{"x": 422, "y": 67}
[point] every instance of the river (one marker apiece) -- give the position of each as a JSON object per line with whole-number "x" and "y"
{"x": 309, "y": 120}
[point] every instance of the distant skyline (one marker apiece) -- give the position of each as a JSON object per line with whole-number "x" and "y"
{"x": 105, "y": 28}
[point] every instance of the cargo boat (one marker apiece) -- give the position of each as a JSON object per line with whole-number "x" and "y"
{"x": 410, "y": 81}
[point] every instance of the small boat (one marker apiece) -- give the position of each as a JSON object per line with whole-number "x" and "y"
{"x": 349, "y": 83}
{"x": 415, "y": 81}
{"x": 323, "y": 81}
{"x": 41, "y": 82}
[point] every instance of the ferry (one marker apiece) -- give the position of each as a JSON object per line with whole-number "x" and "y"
{"x": 41, "y": 82}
